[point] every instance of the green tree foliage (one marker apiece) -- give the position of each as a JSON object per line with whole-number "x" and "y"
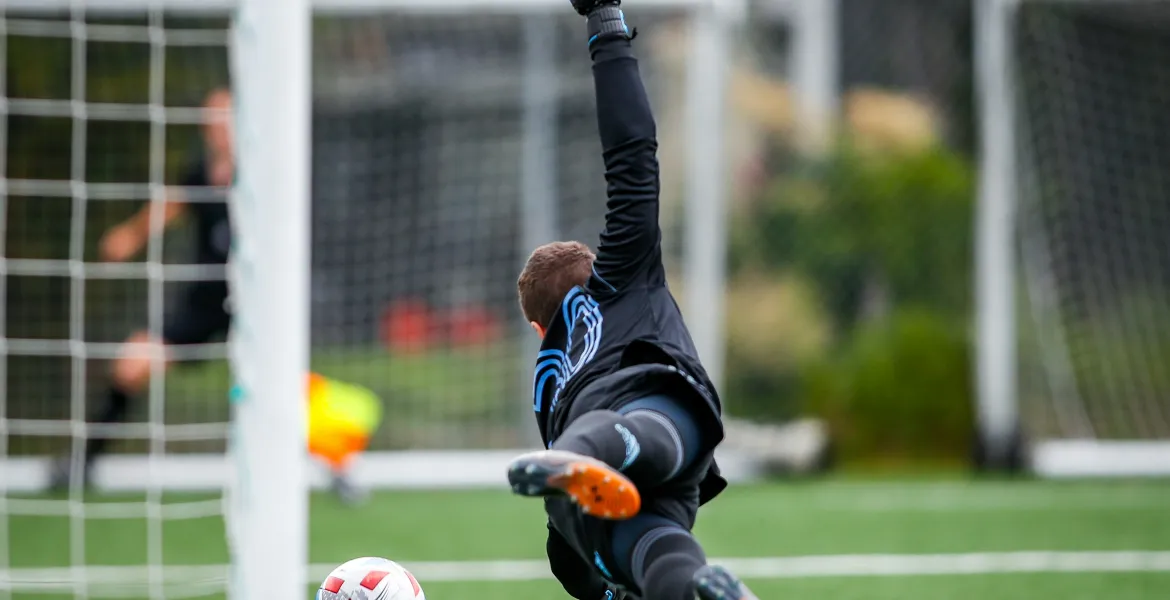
{"x": 900, "y": 391}
{"x": 875, "y": 256}
{"x": 904, "y": 222}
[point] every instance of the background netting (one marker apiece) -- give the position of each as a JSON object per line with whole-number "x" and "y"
{"x": 1093, "y": 83}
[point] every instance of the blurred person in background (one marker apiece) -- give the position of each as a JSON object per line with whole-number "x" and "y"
{"x": 203, "y": 314}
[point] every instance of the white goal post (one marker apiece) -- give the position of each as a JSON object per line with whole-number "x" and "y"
{"x": 1070, "y": 261}
{"x": 267, "y": 516}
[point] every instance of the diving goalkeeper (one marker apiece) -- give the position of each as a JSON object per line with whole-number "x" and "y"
{"x": 624, "y": 406}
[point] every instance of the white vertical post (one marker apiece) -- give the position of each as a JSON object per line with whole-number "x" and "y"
{"x": 156, "y": 393}
{"x": 77, "y": 283}
{"x": 706, "y": 248}
{"x": 538, "y": 173}
{"x": 815, "y": 72}
{"x": 995, "y": 268}
{"x": 270, "y": 297}
{"x": 5, "y": 553}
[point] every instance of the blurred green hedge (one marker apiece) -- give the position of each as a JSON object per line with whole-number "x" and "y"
{"x": 900, "y": 391}
{"x": 850, "y": 301}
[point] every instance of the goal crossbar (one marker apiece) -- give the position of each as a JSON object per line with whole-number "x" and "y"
{"x": 432, "y": 6}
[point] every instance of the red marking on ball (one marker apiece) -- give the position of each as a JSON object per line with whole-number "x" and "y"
{"x": 373, "y": 578}
{"x": 413, "y": 582}
{"x": 332, "y": 585}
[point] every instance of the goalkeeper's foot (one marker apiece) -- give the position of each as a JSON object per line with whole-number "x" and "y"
{"x": 600, "y": 490}
{"x": 61, "y": 474}
{"x": 347, "y": 491}
{"x": 717, "y": 583}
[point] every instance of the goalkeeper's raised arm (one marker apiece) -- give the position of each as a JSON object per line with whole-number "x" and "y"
{"x": 630, "y": 244}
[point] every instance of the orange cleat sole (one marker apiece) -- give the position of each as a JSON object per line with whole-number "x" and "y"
{"x": 598, "y": 489}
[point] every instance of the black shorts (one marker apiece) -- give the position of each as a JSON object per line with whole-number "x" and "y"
{"x": 200, "y": 316}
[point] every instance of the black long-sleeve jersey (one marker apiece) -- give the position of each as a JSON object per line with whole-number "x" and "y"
{"x": 622, "y": 337}
{"x": 213, "y": 233}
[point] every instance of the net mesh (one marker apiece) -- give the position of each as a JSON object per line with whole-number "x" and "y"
{"x": 1092, "y": 83}
{"x": 443, "y": 150}
{"x": 101, "y": 115}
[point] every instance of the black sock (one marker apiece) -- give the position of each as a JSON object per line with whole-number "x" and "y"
{"x": 116, "y": 409}
{"x": 643, "y": 444}
{"x": 664, "y": 564}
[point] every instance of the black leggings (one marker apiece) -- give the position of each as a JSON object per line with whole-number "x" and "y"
{"x": 650, "y": 440}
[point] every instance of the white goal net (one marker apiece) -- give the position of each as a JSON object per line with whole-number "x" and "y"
{"x": 1090, "y": 84}
{"x": 101, "y": 113}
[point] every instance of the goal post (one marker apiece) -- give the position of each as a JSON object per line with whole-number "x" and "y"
{"x": 1072, "y": 284}
{"x": 267, "y": 516}
{"x": 996, "y": 414}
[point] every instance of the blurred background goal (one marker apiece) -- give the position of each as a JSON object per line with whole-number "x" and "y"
{"x": 1075, "y": 271}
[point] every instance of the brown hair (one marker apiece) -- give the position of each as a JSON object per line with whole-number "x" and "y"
{"x": 551, "y": 271}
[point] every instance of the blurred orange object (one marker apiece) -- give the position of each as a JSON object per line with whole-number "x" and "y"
{"x": 342, "y": 417}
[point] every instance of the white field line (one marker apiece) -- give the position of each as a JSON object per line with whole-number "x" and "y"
{"x": 976, "y": 501}
{"x": 126, "y": 581}
{"x": 965, "y": 496}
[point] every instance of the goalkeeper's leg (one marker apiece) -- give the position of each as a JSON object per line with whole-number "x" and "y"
{"x": 664, "y": 561}
{"x": 605, "y": 457}
{"x": 130, "y": 375}
{"x": 201, "y": 317}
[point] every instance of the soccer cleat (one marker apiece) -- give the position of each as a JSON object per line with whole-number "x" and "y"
{"x": 717, "y": 583}
{"x": 598, "y": 489}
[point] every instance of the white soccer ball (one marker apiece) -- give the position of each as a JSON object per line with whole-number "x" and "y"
{"x": 370, "y": 578}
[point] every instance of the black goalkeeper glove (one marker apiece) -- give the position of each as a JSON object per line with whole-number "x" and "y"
{"x": 604, "y": 18}
{"x": 584, "y": 7}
